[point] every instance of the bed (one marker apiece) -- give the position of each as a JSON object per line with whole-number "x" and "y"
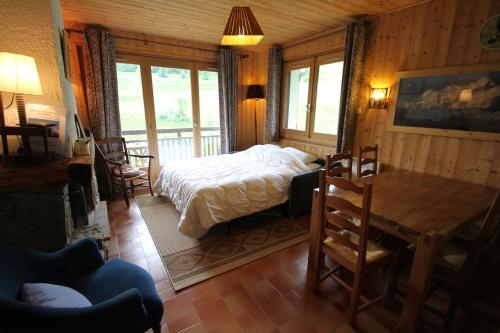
{"x": 216, "y": 189}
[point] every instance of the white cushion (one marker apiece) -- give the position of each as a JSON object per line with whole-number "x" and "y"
{"x": 306, "y": 158}
{"x": 53, "y": 296}
{"x": 314, "y": 166}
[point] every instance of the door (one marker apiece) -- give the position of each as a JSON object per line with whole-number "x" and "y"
{"x": 169, "y": 109}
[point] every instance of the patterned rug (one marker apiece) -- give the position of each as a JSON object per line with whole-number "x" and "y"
{"x": 189, "y": 261}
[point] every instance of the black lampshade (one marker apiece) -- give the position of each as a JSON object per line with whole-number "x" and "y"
{"x": 255, "y": 91}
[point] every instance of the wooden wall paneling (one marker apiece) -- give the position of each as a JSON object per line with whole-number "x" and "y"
{"x": 405, "y": 36}
{"x": 252, "y": 69}
{"x": 444, "y": 33}
{"x": 488, "y": 55}
{"x": 466, "y": 160}
{"x": 462, "y": 29}
{"x": 450, "y": 157}
{"x": 494, "y": 175}
{"x": 324, "y": 44}
{"x": 409, "y": 152}
{"x": 398, "y": 146}
{"x": 316, "y": 149}
{"x": 417, "y": 35}
{"x": 483, "y": 162}
{"x": 481, "y": 14}
{"x": 437, "y": 150}
{"x": 429, "y": 40}
{"x": 435, "y": 34}
{"x": 422, "y": 152}
{"x": 155, "y": 46}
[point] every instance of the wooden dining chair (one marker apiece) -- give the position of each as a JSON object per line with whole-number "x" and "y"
{"x": 113, "y": 151}
{"x": 339, "y": 165}
{"x": 367, "y": 161}
{"x": 344, "y": 238}
{"x": 457, "y": 263}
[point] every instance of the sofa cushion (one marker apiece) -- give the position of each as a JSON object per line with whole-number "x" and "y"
{"x": 128, "y": 171}
{"x": 52, "y": 295}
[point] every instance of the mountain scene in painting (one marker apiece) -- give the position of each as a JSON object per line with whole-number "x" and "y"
{"x": 464, "y": 101}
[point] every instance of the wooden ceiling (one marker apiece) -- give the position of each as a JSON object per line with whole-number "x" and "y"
{"x": 204, "y": 20}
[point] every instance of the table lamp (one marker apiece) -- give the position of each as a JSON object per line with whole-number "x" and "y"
{"x": 18, "y": 75}
{"x": 255, "y": 92}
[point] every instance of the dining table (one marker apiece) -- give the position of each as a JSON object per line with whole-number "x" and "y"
{"x": 422, "y": 209}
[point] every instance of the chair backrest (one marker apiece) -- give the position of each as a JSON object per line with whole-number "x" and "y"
{"x": 338, "y": 165}
{"x": 338, "y": 214}
{"x": 488, "y": 231}
{"x": 113, "y": 149}
{"x": 363, "y": 161}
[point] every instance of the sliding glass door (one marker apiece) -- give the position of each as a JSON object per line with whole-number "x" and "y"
{"x": 168, "y": 108}
{"x": 173, "y": 113}
{"x": 208, "y": 84}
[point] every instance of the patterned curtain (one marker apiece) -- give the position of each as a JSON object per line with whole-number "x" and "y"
{"x": 101, "y": 90}
{"x": 273, "y": 94}
{"x": 101, "y": 84}
{"x": 227, "y": 67}
{"x": 352, "y": 79}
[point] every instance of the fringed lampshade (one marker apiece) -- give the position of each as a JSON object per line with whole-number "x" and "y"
{"x": 242, "y": 28}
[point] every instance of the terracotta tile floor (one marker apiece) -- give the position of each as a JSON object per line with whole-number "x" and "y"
{"x": 267, "y": 295}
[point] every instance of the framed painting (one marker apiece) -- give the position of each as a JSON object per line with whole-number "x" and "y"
{"x": 453, "y": 101}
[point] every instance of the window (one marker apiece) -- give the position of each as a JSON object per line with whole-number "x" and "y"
{"x": 169, "y": 109}
{"x": 312, "y": 97}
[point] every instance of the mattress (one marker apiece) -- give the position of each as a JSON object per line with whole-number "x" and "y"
{"x": 216, "y": 189}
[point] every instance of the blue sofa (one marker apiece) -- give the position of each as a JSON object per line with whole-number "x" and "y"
{"x": 123, "y": 295}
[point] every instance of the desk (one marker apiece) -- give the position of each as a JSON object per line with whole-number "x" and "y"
{"x": 423, "y": 209}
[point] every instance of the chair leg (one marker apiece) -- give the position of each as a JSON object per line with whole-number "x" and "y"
{"x": 132, "y": 187}
{"x": 124, "y": 190}
{"x": 112, "y": 189}
{"x": 150, "y": 187}
{"x": 391, "y": 283}
{"x": 455, "y": 301}
{"x": 353, "y": 307}
{"x": 451, "y": 312}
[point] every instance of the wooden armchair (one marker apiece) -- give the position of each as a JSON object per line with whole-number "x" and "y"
{"x": 338, "y": 165}
{"x": 122, "y": 174}
{"x": 371, "y": 161}
{"x": 344, "y": 238}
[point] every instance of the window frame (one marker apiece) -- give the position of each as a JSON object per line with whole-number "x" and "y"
{"x": 309, "y": 135}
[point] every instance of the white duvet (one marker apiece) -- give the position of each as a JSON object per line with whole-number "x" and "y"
{"x": 215, "y": 189}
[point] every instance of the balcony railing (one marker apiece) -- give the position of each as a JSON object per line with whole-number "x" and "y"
{"x": 173, "y": 144}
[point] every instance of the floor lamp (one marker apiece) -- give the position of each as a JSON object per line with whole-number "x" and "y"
{"x": 255, "y": 92}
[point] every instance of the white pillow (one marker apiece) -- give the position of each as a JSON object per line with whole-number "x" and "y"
{"x": 53, "y": 296}
{"x": 271, "y": 146}
{"x": 314, "y": 166}
{"x": 301, "y": 155}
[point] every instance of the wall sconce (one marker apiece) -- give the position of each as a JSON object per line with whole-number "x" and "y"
{"x": 378, "y": 98}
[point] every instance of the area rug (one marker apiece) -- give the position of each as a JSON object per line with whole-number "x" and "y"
{"x": 189, "y": 261}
